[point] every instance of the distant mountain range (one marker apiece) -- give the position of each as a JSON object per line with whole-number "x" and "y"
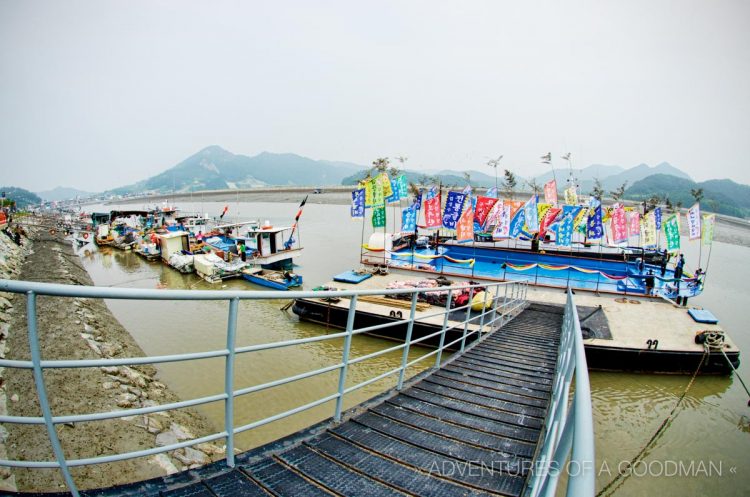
{"x": 23, "y": 198}
{"x": 63, "y": 193}
{"x": 214, "y": 168}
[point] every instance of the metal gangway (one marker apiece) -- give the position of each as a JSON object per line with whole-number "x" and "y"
{"x": 496, "y": 399}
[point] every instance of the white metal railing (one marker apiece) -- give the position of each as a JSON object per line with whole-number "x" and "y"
{"x": 569, "y": 425}
{"x": 501, "y": 302}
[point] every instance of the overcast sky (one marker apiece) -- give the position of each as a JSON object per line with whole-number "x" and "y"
{"x": 99, "y": 94}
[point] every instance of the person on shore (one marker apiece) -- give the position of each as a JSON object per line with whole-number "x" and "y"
{"x": 243, "y": 251}
{"x": 650, "y": 282}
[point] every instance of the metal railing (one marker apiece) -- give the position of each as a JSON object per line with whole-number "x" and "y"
{"x": 569, "y": 425}
{"x": 501, "y": 302}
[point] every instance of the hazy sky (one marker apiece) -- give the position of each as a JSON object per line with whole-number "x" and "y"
{"x": 99, "y": 94}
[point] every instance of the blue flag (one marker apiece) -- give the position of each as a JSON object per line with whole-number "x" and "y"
{"x": 453, "y": 206}
{"x": 657, "y": 217}
{"x": 516, "y": 224}
{"x": 396, "y": 195}
{"x": 358, "y": 203}
{"x": 492, "y": 192}
{"x": 564, "y": 234}
{"x": 409, "y": 219}
{"x": 532, "y": 214}
{"x": 594, "y": 227}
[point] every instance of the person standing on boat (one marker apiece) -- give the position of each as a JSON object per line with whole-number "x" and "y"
{"x": 243, "y": 251}
{"x": 679, "y": 266}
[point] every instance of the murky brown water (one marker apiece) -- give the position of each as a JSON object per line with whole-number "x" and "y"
{"x": 705, "y": 451}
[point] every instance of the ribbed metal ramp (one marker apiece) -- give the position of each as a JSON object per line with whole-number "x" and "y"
{"x": 469, "y": 428}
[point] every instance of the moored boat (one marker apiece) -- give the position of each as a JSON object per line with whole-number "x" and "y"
{"x": 278, "y": 280}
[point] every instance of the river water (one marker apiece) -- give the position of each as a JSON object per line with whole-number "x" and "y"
{"x": 704, "y": 451}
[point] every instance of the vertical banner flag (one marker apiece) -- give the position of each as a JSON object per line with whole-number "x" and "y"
{"x": 385, "y": 182}
{"x": 595, "y": 229}
{"x": 403, "y": 186}
{"x": 502, "y": 227}
{"x": 483, "y": 208}
{"x": 550, "y": 192}
{"x": 409, "y": 219}
{"x": 571, "y": 198}
{"x": 648, "y": 236}
{"x": 432, "y": 212}
{"x": 378, "y": 195}
{"x": 672, "y": 233}
{"x": 531, "y": 214}
{"x": 657, "y": 218}
{"x": 707, "y": 231}
{"x": 369, "y": 187}
{"x": 492, "y": 192}
{"x": 453, "y": 205}
{"x": 694, "y": 222}
{"x": 396, "y": 193}
{"x": 378, "y": 217}
{"x": 634, "y": 223}
{"x": 358, "y": 203}
{"x": 619, "y": 225}
{"x": 493, "y": 216}
{"x": 548, "y": 220}
{"x": 564, "y": 236}
{"x": 465, "y": 226}
{"x": 516, "y": 223}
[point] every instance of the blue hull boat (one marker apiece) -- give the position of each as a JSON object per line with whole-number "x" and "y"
{"x": 278, "y": 280}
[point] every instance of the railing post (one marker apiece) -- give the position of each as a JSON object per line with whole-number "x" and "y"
{"x": 495, "y": 298}
{"x": 407, "y": 341}
{"x": 484, "y": 311}
{"x": 345, "y": 358}
{"x": 439, "y": 354}
{"x": 468, "y": 318}
{"x": 229, "y": 379}
{"x": 41, "y": 390}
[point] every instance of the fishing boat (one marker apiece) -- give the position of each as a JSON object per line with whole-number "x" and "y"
{"x": 175, "y": 250}
{"x": 278, "y": 280}
{"x": 215, "y": 269}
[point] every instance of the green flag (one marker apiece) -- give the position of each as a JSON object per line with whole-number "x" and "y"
{"x": 672, "y": 233}
{"x": 707, "y": 229}
{"x": 378, "y": 217}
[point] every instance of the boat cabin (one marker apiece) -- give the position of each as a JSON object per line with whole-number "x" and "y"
{"x": 173, "y": 242}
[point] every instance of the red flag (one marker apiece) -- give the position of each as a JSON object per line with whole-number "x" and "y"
{"x": 548, "y": 219}
{"x": 465, "y": 226}
{"x": 432, "y": 213}
{"x": 550, "y": 192}
{"x": 484, "y": 206}
{"x": 226, "y": 208}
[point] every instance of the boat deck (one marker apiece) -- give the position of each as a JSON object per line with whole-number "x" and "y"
{"x": 470, "y": 428}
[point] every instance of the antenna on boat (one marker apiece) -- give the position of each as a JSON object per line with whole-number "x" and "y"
{"x": 547, "y": 159}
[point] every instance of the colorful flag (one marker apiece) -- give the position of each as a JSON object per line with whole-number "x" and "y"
{"x": 492, "y": 192}
{"x": 378, "y": 195}
{"x": 465, "y": 227}
{"x": 493, "y": 216}
{"x": 595, "y": 228}
{"x": 395, "y": 196}
{"x": 432, "y": 212}
{"x": 564, "y": 235}
{"x": 418, "y": 200}
{"x": 516, "y": 223}
{"x": 619, "y": 225}
{"x": 672, "y": 233}
{"x": 378, "y": 217}
{"x": 571, "y": 197}
{"x": 453, "y": 206}
{"x": 369, "y": 187}
{"x": 694, "y": 222}
{"x": 358, "y": 203}
{"x": 648, "y": 230}
{"x": 531, "y": 214}
{"x": 657, "y": 218}
{"x": 409, "y": 219}
{"x": 549, "y": 218}
{"x": 403, "y": 186}
{"x": 550, "y": 192}
{"x": 634, "y": 223}
{"x": 385, "y": 182}
{"x": 707, "y": 231}
{"x": 226, "y": 209}
{"x": 483, "y": 208}
{"x": 502, "y": 227}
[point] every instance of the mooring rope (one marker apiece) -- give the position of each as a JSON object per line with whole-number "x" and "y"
{"x": 623, "y": 474}
{"x": 737, "y": 375}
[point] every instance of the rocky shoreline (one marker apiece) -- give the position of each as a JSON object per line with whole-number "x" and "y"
{"x": 77, "y": 328}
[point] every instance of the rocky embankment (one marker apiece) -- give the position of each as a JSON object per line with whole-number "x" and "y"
{"x": 76, "y": 328}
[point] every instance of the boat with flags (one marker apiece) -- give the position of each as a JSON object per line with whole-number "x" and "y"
{"x": 616, "y": 255}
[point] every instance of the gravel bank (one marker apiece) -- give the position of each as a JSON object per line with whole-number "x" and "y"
{"x": 82, "y": 329}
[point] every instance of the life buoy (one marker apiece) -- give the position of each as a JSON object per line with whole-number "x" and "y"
{"x": 52, "y": 232}
{"x": 85, "y": 236}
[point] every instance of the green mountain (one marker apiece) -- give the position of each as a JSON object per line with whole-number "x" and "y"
{"x": 23, "y": 198}
{"x": 214, "y": 168}
{"x": 720, "y": 196}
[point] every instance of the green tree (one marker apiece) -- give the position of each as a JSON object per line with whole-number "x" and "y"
{"x": 598, "y": 191}
{"x": 697, "y": 194}
{"x": 619, "y": 192}
{"x": 509, "y": 184}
